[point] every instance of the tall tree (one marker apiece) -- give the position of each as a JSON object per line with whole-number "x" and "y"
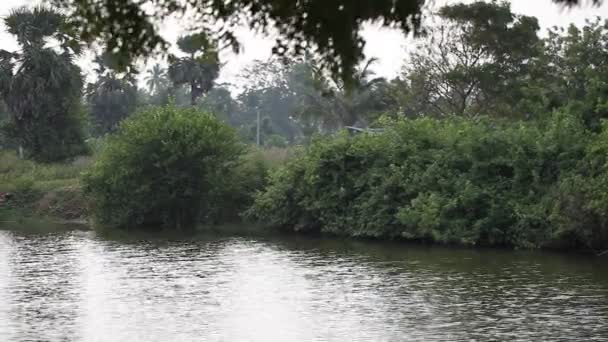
{"x": 4, "y": 118}
{"x": 476, "y": 61}
{"x": 220, "y": 102}
{"x": 156, "y": 79}
{"x": 199, "y": 69}
{"x": 267, "y": 94}
{"x": 112, "y": 97}
{"x": 573, "y": 72}
{"x": 336, "y": 103}
{"x": 42, "y": 86}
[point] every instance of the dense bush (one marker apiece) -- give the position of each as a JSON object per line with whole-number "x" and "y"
{"x": 164, "y": 167}
{"x": 450, "y": 181}
{"x": 581, "y": 208}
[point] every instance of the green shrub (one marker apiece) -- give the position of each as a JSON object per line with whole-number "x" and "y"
{"x": 472, "y": 182}
{"x": 580, "y": 206}
{"x": 238, "y": 187}
{"x": 23, "y": 184}
{"x": 165, "y": 166}
{"x": 275, "y": 140}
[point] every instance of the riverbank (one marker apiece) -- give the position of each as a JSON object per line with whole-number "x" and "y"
{"x": 31, "y": 221}
{"x": 47, "y": 197}
{"x": 483, "y": 183}
{"x": 35, "y": 195}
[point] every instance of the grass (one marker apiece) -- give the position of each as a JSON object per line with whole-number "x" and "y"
{"x": 41, "y": 193}
{"x": 18, "y": 175}
{"x": 272, "y": 156}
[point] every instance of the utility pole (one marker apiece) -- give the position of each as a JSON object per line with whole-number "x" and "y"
{"x": 257, "y": 133}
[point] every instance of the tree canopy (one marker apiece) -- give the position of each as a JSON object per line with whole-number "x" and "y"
{"x": 199, "y": 69}
{"x": 331, "y": 27}
{"x": 476, "y": 61}
{"x": 112, "y": 97}
{"x": 42, "y": 86}
{"x": 155, "y": 78}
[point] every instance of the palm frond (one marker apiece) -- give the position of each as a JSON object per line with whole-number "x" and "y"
{"x": 32, "y": 25}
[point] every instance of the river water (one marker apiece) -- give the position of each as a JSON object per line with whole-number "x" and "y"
{"x": 77, "y": 286}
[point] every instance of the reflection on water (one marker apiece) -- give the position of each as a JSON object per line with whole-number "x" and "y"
{"x": 79, "y": 287}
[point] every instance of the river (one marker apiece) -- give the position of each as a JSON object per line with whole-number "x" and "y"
{"x": 77, "y": 286}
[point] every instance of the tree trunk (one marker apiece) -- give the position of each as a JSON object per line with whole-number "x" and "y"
{"x": 193, "y": 95}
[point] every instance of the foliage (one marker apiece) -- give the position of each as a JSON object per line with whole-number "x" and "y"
{"x": 269, "y": 94}
{"x": 572, "y": 72}
{"x": 159, "y": 89}
{"x": 5, "y": 140}
{"x": 335, "y": 104}
{"x": 39, "y": 191}
{"x": 199, "y": 69}
{"x": 296, "y": 100}
{"x": 111, "y": 98}
{"x": 43, "y": 93}
{"x": 450, "y": 181}
{"x": 18, "y": 175}
{"x": 481, "y": 59}
{"x": 156, "y": 79}
{"x": 220, "y": 102}
{"x": 581, "y": 206}
{"x": 275, "y": 140}
{"x": 166, "y": 167}
{"x": 449, "y": 173}
{"x": 332, "y": 28}
{"x": 475, "y": 61}
{"x": 247, "y": 176}
{"x": 238, "y": 187}
{"x": 127, "y": 27}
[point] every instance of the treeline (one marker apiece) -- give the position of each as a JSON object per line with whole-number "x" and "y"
{"x": 478, "y": 59}
{"x": 491, "y": 135}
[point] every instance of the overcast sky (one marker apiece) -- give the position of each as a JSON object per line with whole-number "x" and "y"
{"x": 388, "y": 46}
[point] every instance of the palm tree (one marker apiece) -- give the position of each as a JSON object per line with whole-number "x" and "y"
{"x": 112, "y": 97}
{"x": 354, "y": 100}
{"x": 156, "y": 79}
{"x": 333, "y": 103}
{"x": 362, "y": 77}
{"x": 349, "y": 101}
{"x": 199, "y": 69}
{"x": 42, "y": 86}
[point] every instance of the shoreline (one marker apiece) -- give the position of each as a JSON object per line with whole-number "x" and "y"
{"x": 19, "y": 220}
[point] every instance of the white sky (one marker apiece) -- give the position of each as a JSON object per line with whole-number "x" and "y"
{"x": 389, "y": 46}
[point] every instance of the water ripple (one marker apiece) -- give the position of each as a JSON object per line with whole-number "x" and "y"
{"x": 79, "y": 287}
